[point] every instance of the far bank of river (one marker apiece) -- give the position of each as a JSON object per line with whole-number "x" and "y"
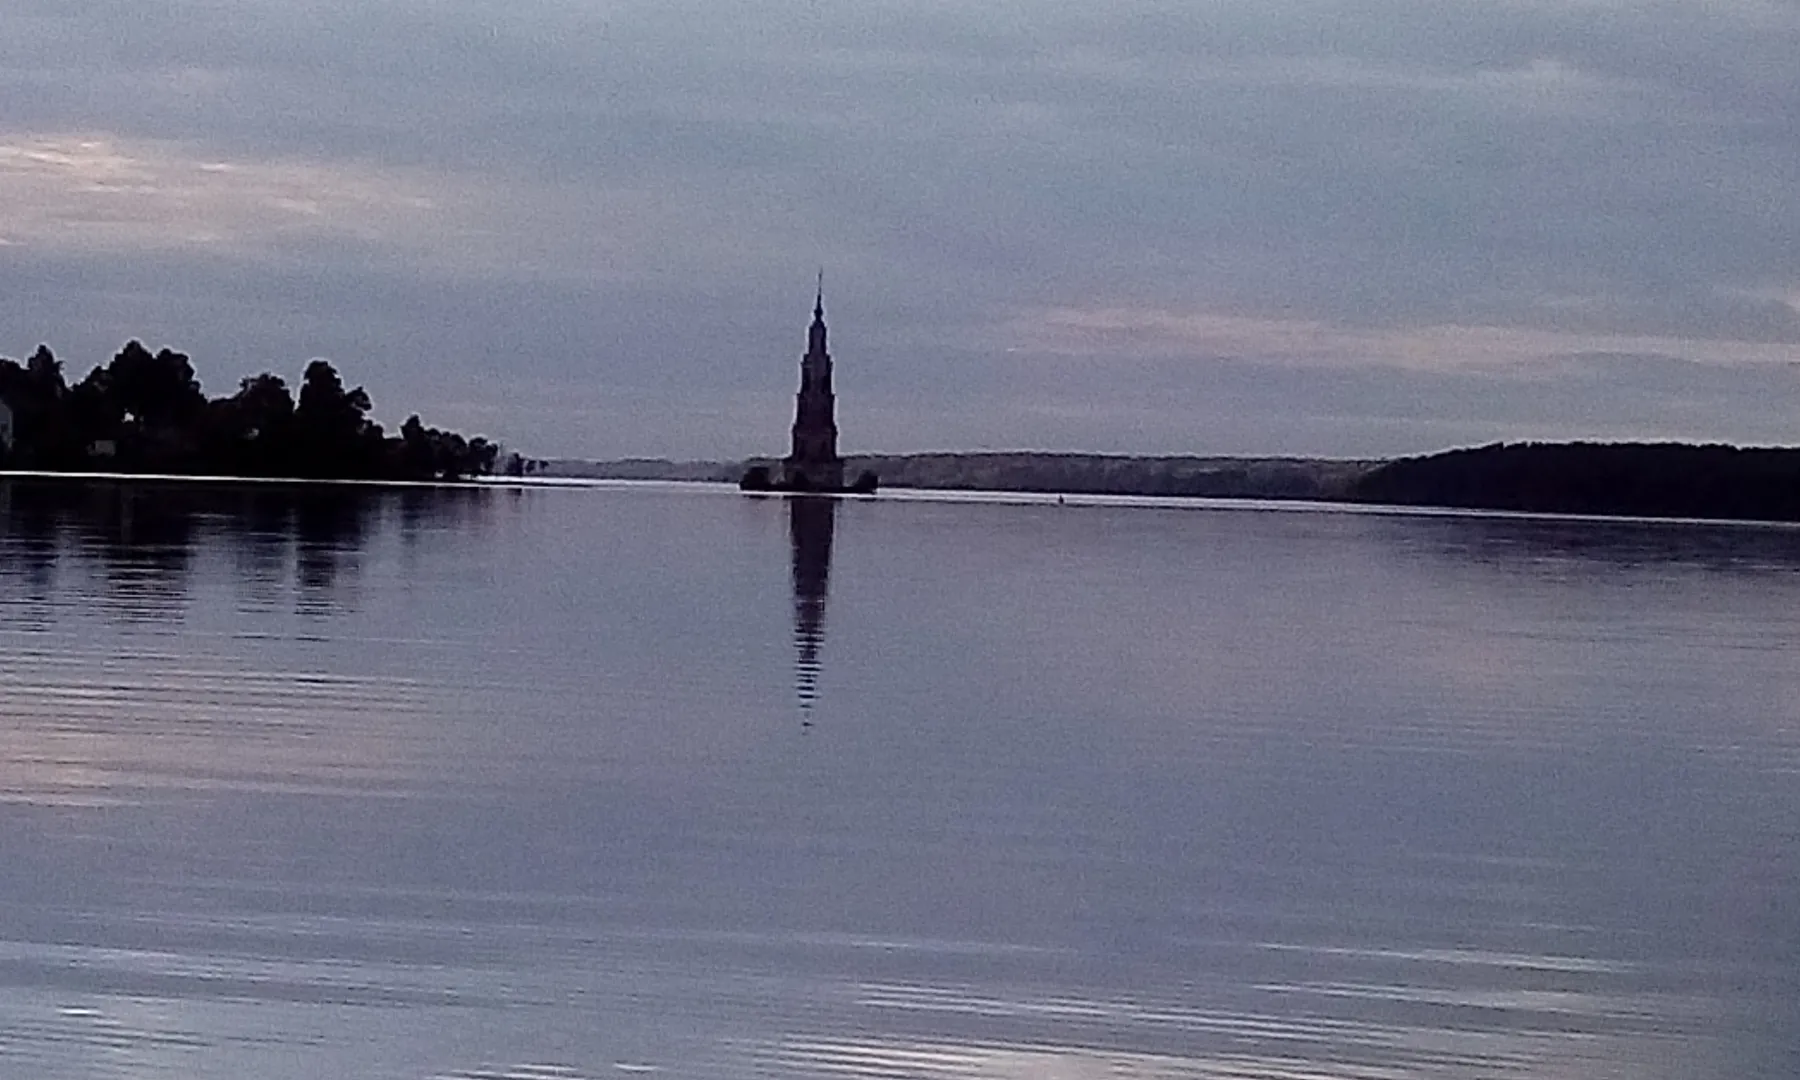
{"x": 1085, "y": 474}
{"x": 1616, "y": 479}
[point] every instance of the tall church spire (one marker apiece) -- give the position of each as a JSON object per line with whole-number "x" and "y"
{"x": 813, "y": 463}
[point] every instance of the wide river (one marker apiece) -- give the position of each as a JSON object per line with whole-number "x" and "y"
{"x": 594, "y": 782}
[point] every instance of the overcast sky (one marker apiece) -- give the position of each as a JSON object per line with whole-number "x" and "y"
{"x": 591, "y": 228}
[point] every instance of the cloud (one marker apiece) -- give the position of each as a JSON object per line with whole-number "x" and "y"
{"x": 1137, "y": 333}
{"x": 91, "y": 193}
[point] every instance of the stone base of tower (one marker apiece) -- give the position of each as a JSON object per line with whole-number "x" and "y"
{"x": 823, "y": 478}
{"x": 812, "y": 475}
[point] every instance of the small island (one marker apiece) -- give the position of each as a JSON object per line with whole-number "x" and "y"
{"x": 145, "y": 413}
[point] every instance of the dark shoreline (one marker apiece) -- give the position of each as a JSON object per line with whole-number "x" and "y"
{"x": 1610, "y": 480}
{"x": 1680, "y": 481}
{"x": 1048, "y": 473}
{"x": 1657, "y": 480}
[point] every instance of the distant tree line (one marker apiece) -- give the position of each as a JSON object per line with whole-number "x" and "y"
{"x": 1631, "y": 479}
{"x": 145, "y": 412}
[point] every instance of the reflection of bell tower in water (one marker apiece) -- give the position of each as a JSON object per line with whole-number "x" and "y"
{"x": 810, "y": 522}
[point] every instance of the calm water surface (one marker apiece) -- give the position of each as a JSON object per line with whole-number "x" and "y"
{"x": 575, "y": 783}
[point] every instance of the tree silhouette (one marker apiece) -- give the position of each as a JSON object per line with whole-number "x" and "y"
{"x": 46, "y": 373}
{"x": 253, "y": 427}
{"x": 155, "y": 390}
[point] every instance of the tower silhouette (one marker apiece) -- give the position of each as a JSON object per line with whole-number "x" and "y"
{"x": 812, "y": 463}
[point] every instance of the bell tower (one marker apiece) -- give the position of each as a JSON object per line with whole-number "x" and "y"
{"x": 812, "y": 463}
